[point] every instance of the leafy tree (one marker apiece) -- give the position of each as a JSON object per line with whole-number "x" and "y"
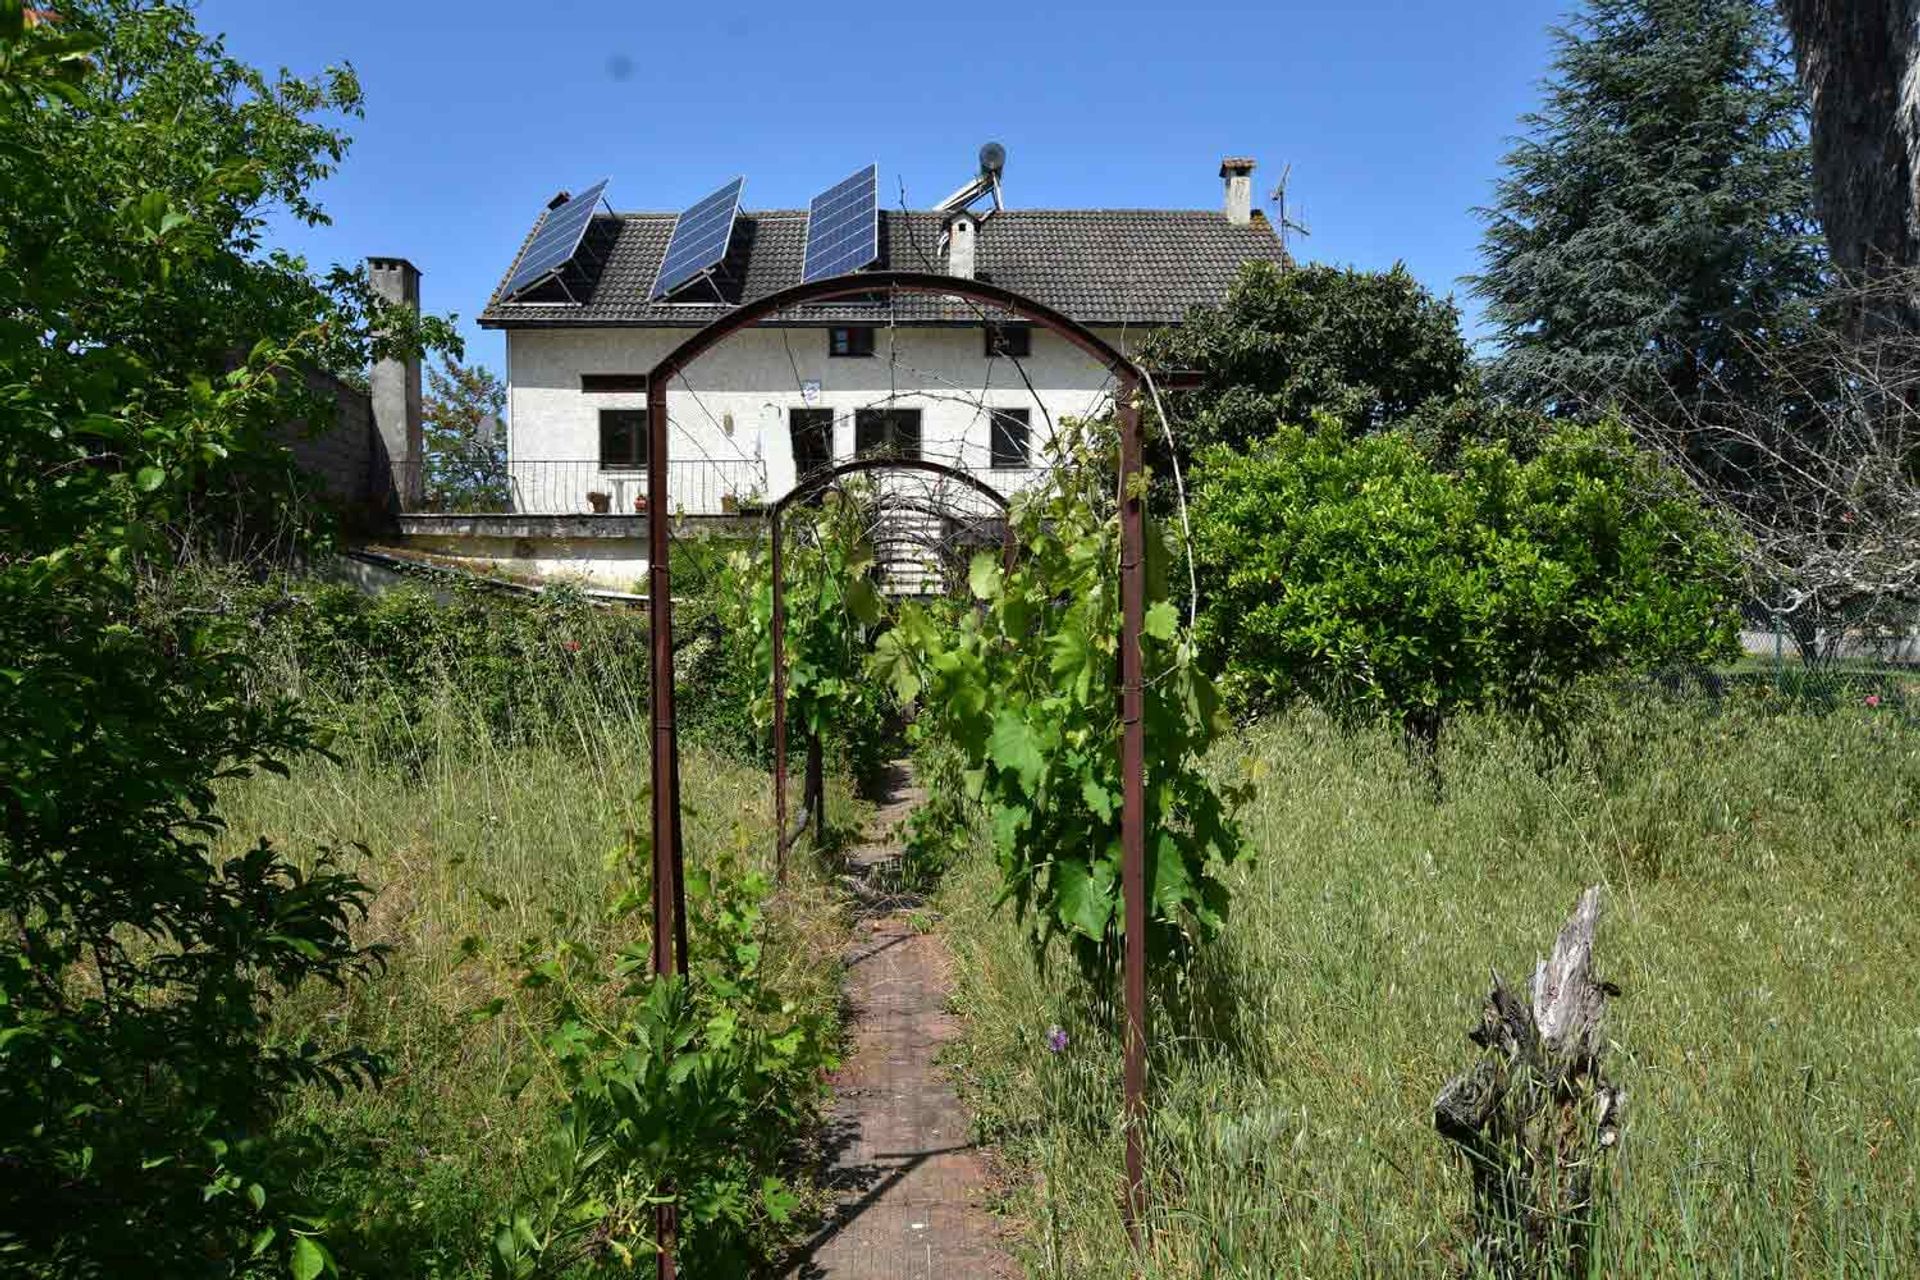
{"x": 1656, "y": 225}
{"x": 1362, "y": 347}
{"x": 466, "y": 445}
{"x": 145, "y": 347}
{"x": 1356, "y": 573}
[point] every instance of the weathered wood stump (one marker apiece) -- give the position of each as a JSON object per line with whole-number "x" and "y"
{"x": 1535, "y": 1114}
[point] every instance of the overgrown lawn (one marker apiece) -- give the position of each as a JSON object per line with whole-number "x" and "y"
{"x": 1762, "y": 873}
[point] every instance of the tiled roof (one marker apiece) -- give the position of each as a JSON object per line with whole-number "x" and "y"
{"x": 1100, "y": 266}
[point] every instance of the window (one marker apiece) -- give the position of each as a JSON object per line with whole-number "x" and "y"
{"x": 1011, "y": 449}
{"x": 593, "y": 383}
{"x": 1014, "y": 340}
{"x": 851, "y": 340}
{"x": 623, "y": 439}
{"x": 889, "y": 431}
{"x": 812, "y": 432}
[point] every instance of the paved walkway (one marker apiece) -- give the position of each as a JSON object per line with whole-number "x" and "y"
{"x": 908, "y": 1179}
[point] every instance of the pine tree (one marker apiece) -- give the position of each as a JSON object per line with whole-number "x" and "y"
{"x": 1655, "y": 229}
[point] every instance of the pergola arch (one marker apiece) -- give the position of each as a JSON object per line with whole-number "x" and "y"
{"x": 809, "y": 486}
{"x": 669, "y": 911}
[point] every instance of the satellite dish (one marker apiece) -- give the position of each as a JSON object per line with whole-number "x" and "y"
{"x": 993, "y": 158}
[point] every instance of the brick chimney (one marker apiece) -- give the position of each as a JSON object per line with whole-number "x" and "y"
{"x": 395, "y": 387}
{"x": 1238, "y": 173}
{"x": 962, "y": 233}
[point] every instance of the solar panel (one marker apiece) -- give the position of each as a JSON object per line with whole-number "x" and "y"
{"x": 557, "y": 240}
{"x": 700, "y": 237}
{"x": 843, "y": 227}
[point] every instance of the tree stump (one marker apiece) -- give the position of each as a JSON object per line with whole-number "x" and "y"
{"x": 1535, "y": 1114}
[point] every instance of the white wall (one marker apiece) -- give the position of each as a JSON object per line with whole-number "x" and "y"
{"x": 753, "y": 378}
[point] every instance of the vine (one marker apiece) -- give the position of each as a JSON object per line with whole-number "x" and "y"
{"x": 1022, "y": 682}
{"x": 833, "y": 609}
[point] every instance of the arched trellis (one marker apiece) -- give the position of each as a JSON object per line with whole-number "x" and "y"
{"x": 811, "y": 486}
{"x": 669, "y": 895}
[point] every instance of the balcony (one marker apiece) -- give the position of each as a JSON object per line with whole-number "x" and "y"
{"x": 573, "y": 487}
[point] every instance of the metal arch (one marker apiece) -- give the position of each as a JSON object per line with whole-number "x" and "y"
{"x": 750, "y": 313}
{"x": 669, "y": 897}
{"x": 819, "y": 480}
{"x": 811, "y": 485}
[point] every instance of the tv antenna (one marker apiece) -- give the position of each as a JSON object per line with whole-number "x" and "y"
{"x": 1286, "y": 221}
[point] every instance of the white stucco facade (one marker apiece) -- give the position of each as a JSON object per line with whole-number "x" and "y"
{"x": 729, "y": 420}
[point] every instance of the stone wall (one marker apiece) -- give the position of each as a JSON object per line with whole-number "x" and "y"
{"x": 343, "y": 459}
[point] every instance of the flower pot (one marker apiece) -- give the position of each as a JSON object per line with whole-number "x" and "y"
{"x": 729, "y": 504}
{"x": 639, "y": 504}
{"x": 600, "y": 502}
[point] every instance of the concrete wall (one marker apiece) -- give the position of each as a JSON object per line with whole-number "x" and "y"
{"x": 750, "y": 382}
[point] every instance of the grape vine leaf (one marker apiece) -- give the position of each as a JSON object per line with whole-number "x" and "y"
{"x": 1015, "y": 748}
{"x": 983, "y": 576}
{"x": 1083, "y": 895}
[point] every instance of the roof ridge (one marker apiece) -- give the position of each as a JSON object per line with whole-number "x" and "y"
{"x": 1130, "y": 210}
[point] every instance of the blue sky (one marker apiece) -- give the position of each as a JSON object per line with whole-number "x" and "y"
{"x": 1393, "y": 116}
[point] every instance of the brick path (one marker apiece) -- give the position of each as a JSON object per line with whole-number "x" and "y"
{"x": 908, "y": 1178}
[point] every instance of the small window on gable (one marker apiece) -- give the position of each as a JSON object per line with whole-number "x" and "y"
{"x": 1014, "y": 340}
{"x": 604, "y": 383}
{"x": 850, "y": 340}
{"x": 1012, "y": 441}
{"x": 623, "y": 439}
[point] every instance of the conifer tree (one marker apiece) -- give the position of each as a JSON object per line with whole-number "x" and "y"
{"x": 1654, "y": 229}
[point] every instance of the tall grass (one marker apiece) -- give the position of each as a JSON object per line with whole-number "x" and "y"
{"x": 491, "y": 815}
{"x": 1762, "y": 874}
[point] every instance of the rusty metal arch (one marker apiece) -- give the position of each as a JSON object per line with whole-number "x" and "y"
{"x": 669, "y": 895}
{"x": 815, "y": 483}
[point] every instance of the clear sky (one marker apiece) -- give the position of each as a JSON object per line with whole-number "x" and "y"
{"x": 1393, "y": 116}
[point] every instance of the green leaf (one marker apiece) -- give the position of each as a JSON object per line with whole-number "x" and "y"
{"x": 984, "y": 577}
{"x": 1161, "y": 620}
{"x": 863, "y": 602}
{"x": 1083, "y": 895}
{"x": 1098, "y": 798}
{"x": 309, "y": 1259}
{"x": 147, "y": 479}
{"x": 1014, "y": 747}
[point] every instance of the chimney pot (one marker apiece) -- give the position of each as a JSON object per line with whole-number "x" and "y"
{"x": 1237, "y": 171}
{"x": 962, "y": 232}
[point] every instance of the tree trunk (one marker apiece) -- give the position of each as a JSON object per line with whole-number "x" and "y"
{"x": 1534, "y": 1114}
{"x": 1860, "y": 63}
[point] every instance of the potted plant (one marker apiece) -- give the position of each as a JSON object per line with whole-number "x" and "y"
{"x": 729, "y": 503}
{"x": 600, "y": 502}
{"x": 639, "y": 504}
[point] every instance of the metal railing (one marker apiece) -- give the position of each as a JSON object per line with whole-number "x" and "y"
{"x": 579, "y": 486}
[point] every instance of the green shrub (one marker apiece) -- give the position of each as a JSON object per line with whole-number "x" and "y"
{"x": 1358, "y": 574}
{"x": 686, "y": 1090}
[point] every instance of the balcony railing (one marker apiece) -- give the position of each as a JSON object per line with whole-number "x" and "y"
{"x": 577, "y": 486}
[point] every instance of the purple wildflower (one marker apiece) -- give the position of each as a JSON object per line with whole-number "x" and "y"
{"x": 1056, "y": 1040}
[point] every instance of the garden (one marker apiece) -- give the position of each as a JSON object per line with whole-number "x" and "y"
{"x": 330, "y": 912}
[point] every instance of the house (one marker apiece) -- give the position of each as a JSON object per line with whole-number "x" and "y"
{"x": 594, "y": 299}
